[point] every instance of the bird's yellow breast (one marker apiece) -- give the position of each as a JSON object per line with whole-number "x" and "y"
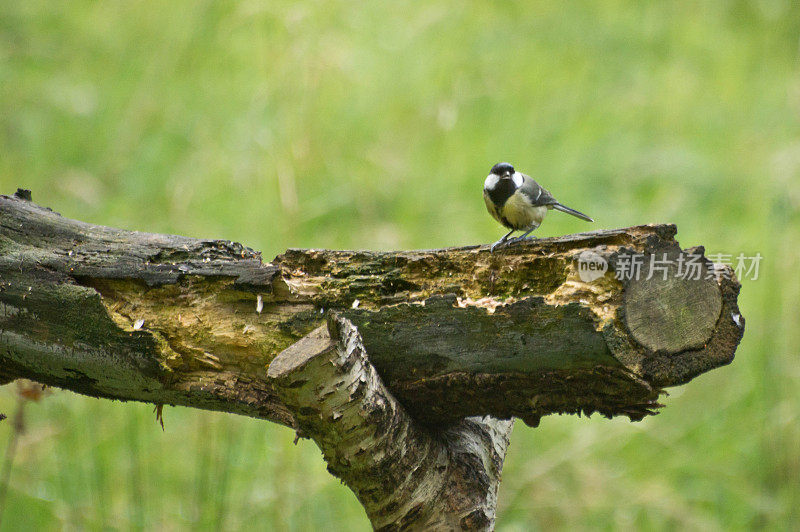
{"x": 520, "y": 214}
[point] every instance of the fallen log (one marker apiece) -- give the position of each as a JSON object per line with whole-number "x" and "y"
{"x": 402, "y": 366}
{"x": 452, "y": 332}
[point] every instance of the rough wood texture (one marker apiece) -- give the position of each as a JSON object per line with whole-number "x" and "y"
{"x": 453, "y": 332}
{"x": 407, "y": 476}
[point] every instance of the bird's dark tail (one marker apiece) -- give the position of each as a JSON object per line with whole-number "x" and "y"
{"x": 573, "y": 212}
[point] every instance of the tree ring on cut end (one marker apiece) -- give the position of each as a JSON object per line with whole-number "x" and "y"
{"x": 673, "y": 314}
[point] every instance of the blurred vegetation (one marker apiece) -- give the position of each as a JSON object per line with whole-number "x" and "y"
{"x": 330, "y": 124}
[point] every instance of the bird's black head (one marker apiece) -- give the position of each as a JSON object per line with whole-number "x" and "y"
{"x": 502, "y": 169}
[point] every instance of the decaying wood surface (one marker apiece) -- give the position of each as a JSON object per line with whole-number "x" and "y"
{"x": 452, "y": 332}
{"x": 404, "y": 367}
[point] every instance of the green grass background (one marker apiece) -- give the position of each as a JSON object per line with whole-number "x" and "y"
{"x": 372, "y": 125}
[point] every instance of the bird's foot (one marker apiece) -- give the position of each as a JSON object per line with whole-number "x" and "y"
{"x": 500, "y": 243}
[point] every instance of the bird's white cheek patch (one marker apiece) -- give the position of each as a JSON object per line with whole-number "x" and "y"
{"x": 518, "y": 179}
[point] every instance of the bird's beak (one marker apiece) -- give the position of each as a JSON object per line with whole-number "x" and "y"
{"x": 507, "y": 174}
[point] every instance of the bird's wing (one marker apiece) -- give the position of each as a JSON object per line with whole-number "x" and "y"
{"x": 536, "y": 194}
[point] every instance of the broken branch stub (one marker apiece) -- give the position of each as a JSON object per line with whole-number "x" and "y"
{"x": 406, "y": 476}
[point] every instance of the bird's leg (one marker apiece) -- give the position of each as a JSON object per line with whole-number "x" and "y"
{"x": 501, "y": 241}
{"x": 522, "y": 236}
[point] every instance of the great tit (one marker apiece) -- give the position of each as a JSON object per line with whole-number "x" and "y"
{"x": 518, "y": 202}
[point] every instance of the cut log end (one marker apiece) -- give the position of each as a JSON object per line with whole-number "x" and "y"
{"x": 669, "y": 315}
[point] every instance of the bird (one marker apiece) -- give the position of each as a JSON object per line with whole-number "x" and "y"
{"x": 518, "y": 202}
